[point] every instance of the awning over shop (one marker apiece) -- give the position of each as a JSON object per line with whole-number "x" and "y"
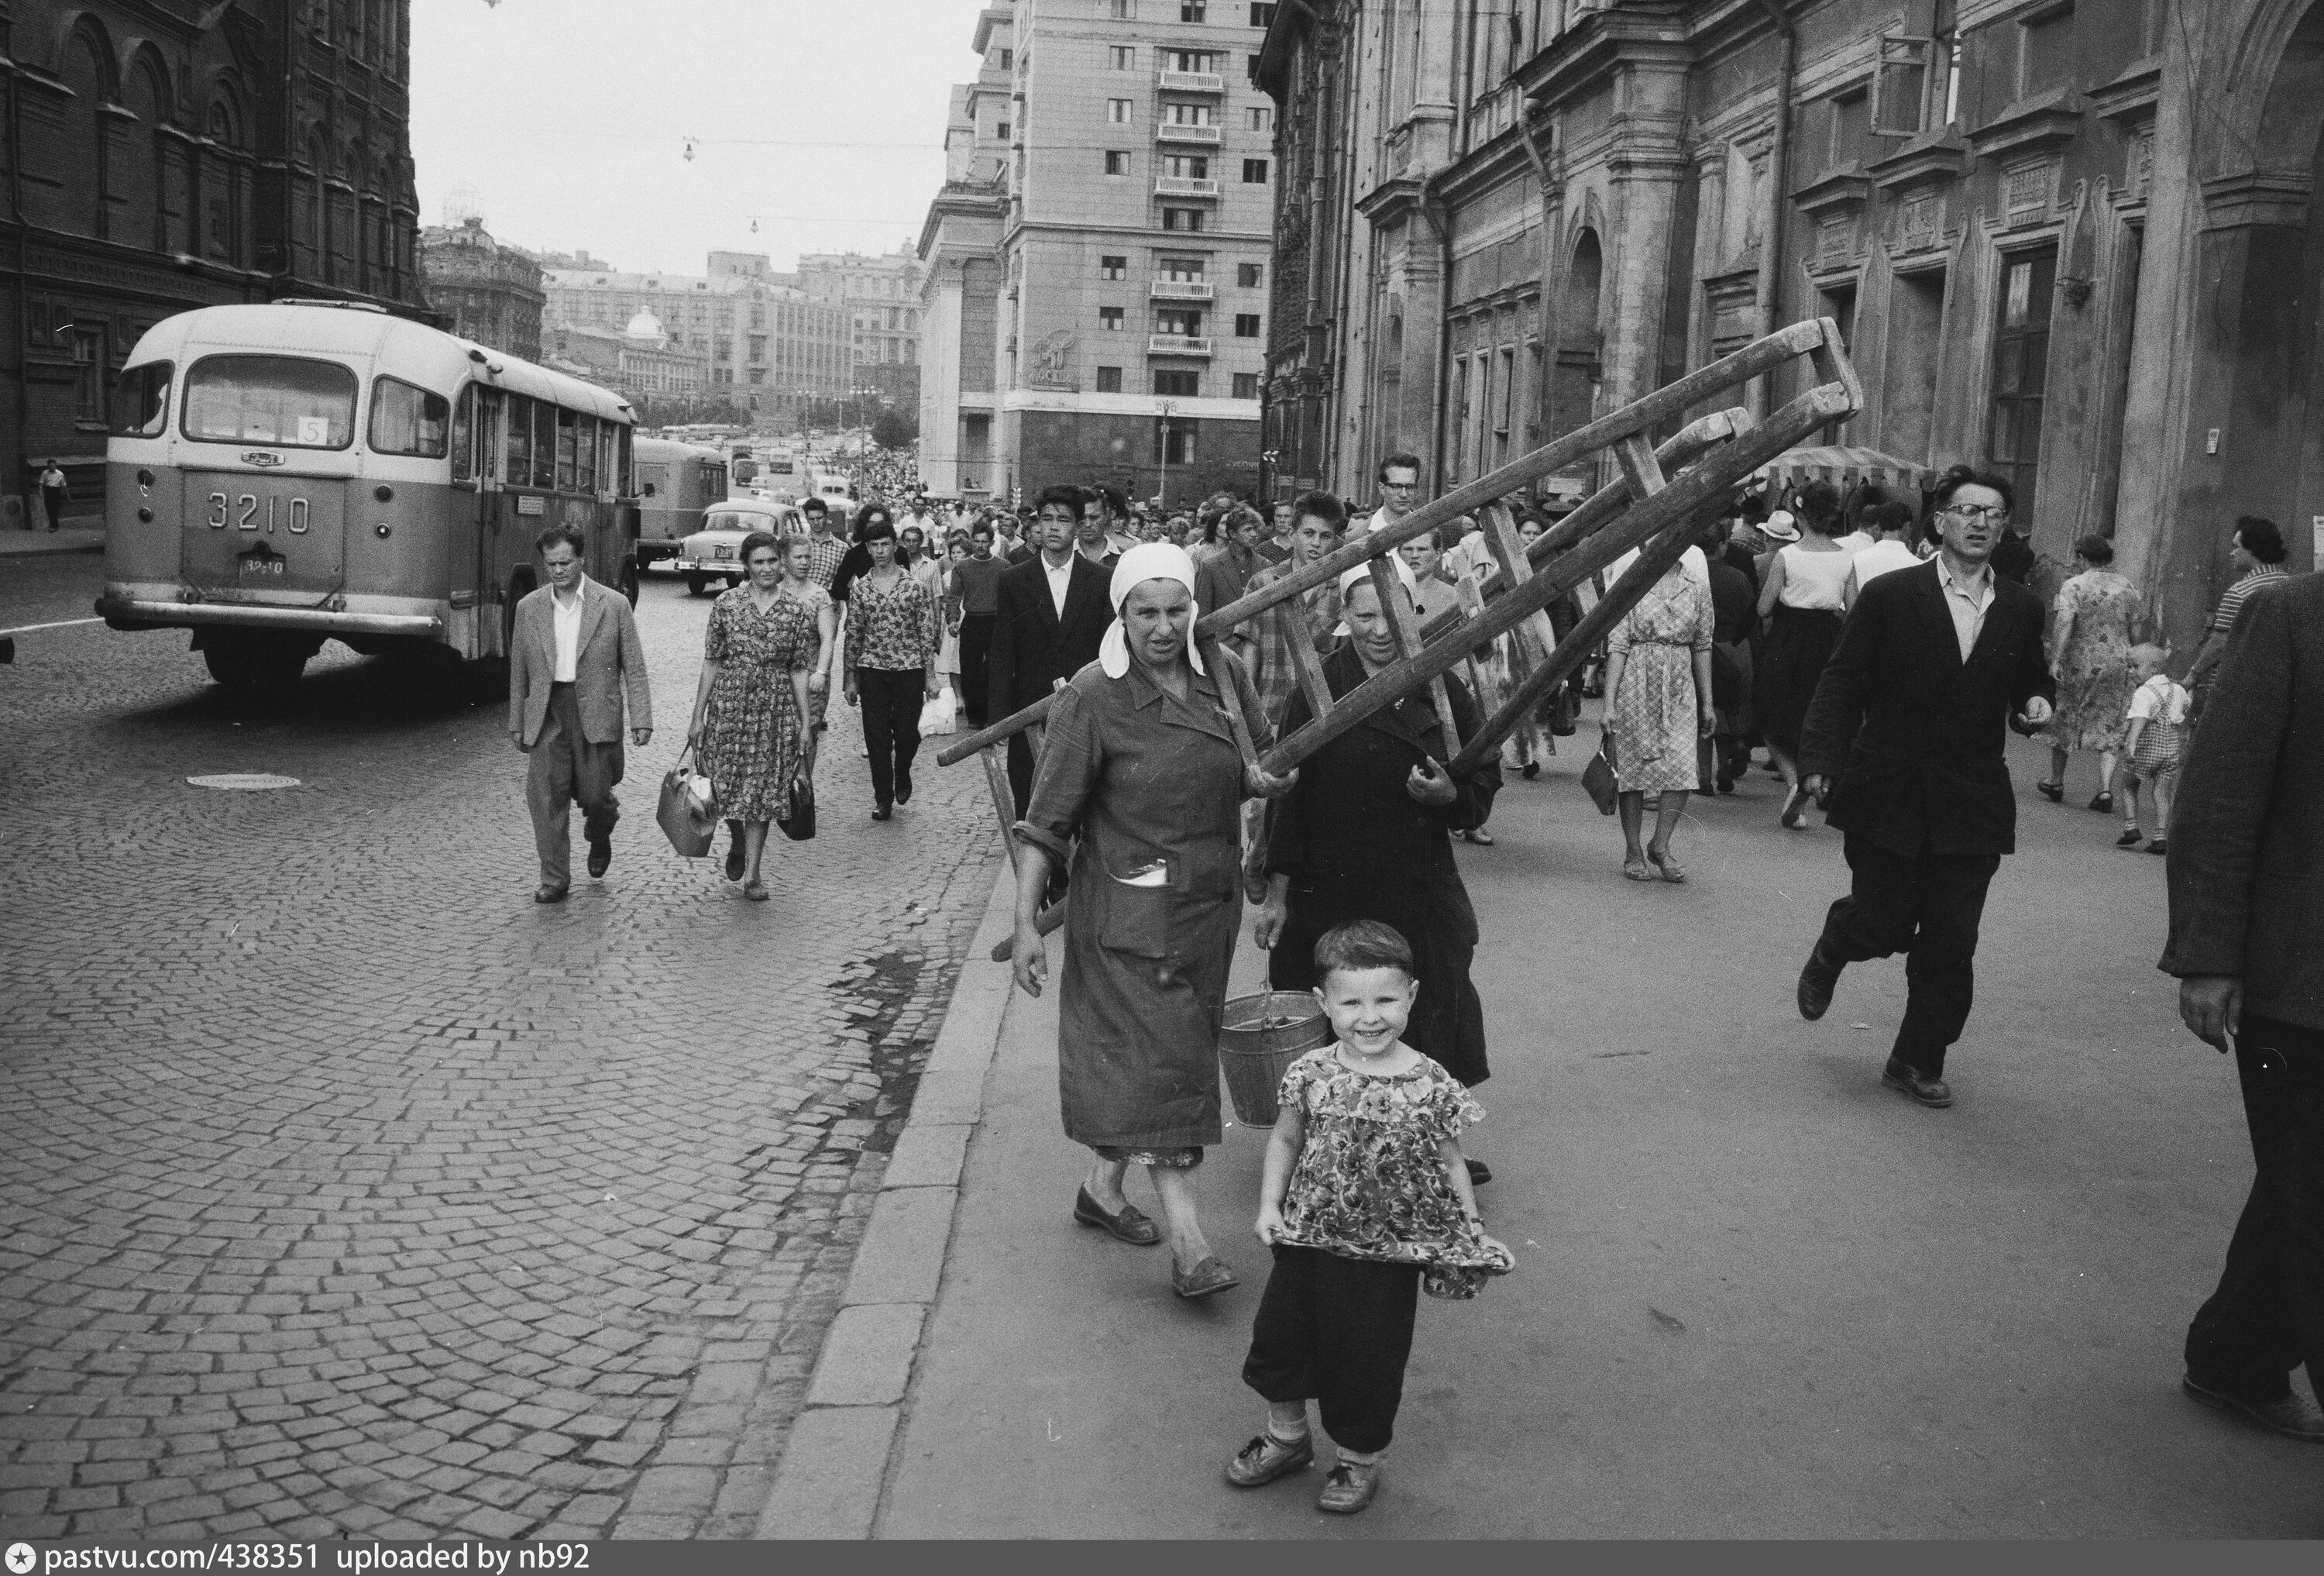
{"x": 1844, "y": 466}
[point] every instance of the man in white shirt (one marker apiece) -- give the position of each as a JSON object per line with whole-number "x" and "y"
{"x": 1891, "y": 550}
{"x": 574, "y": 658}
{"x": 53, "y": 492}
{"x": 1399, "y": 479}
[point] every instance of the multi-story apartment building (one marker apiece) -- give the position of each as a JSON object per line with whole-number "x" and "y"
{"x": 764, "y": 340}
{"x": 169, "y": 154}
{"x": 881, "y": 298}
{"x": 2076, "y": 243}
{"x": 492, "y": 292}
{"x": 636, "y": 360}
{"x": 1120, "y": 184}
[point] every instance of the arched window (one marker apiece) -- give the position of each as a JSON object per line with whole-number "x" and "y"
{"x": 221, "y": 195}
{"x": 138, "y": 195}
{"x": 310, "y": 223}
{"x": 80, "y": 203}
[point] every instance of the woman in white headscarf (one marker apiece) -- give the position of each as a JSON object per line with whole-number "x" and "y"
{"x": 1140, "y": 765}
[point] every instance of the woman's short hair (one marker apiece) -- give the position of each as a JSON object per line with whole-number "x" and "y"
{"x": 754, "y": 541}
{"x": 2261, "y": 538}
{"x": 2094, "y": 548}
{"x": 1819, "y": 506}
{"x": 1361, "y": 944}
{"x": 571, "y": 537}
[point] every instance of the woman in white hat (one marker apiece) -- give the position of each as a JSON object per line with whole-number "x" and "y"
{"x": 1140, "y": 784}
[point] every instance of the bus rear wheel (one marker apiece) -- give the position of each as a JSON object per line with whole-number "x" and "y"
{"x": 255, "y": 662}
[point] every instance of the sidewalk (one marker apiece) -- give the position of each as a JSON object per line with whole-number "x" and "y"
{"x": 1758, "y": 1295}
{"x": 39, "y": 543}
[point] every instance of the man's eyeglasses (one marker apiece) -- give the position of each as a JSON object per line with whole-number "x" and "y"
{"x": 1994, "y": 512}
{"x": 1401, "y": 486}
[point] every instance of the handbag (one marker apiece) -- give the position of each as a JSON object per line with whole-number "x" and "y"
{"x": 940, "y": 715}
{"x": 797, "y": 817}
{"x": 688, "y": 811}
{"x": 1599, "y": 780}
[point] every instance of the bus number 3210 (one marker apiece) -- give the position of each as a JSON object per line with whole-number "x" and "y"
{"x": 244, "y": 511}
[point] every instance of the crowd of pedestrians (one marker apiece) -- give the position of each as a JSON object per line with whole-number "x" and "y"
{"x": 1879, "y": 649}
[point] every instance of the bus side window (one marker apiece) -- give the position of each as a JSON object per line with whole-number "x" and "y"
{"x": 567, "y": 443}
{"x": 585, "y": 458}
{"x": 544, "y": 445}
{"x": 464, "y": 435}
{"x": 519, "y": 441}
{"x": 622, "y": 438}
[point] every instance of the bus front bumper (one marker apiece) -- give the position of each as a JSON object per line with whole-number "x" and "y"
{"x": 135, "y": 613}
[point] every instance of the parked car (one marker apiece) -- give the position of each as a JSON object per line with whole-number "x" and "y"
{"x": 715, "y": 551}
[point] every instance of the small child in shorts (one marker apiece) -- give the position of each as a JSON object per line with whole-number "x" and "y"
{"x": 2158, "y": 725}
{"x": 1365, "y": 1194}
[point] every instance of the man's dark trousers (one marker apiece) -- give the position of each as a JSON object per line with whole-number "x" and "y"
{"x": 567, "y": 769}
{"x": 53, "y": 499}
{"x": 1928, "y": 907}
{"x": 976, "y": 666}
{"x": 2267, "y": 1316}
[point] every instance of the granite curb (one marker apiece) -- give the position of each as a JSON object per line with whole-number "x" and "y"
{"x": 834, "y": 1468}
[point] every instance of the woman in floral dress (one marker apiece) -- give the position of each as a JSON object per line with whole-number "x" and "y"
{"x": 2095, "y": 622}
{"x": 1658, "y": 689}
{"x": 768, "y": 647}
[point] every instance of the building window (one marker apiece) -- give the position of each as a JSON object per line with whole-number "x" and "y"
{"x": 1173, "y": 441}
{"x": 1251, "y": 67}
{"x": 1191, "y": 10}
{"x": 1117, "y": 163}
{"x": 1178, "y": 320}
{"x": 1109, "y": 379}
{"x": 2021, "y": 356}
{"x": 1260, "y": 118}
{"x": 1113, "y": 267}
{"x": 1186, "y": 166}
{"x": 1181, "y": 270}
{"x": 1122, "y": 57}
{"x": 1200, "y": 61}
{"x": 1250, "y": 275}
{"x": 1124, "y": 9}
{"x": 1246, "y": 385}
{"x": 1110, "y": 318}
{"x": 1246, "y": 325}
{"x": 1178, "y": 385}
{"x": 2045, "y": 57}
{"x": 1254, "y": 172}
{"x": 1189, "y": 219}
{"x": 1900, "y": 88}
{"x": 89, "y": 374}
{"x": 1117, "y": 110}
{"x": 1008, "y": 60}
{"x": 1262, "y": 15}
{"x": 1852, "y": 125}
{"x": 1002, "y": 131}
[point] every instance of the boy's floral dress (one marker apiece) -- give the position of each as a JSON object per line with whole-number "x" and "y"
{"x": 1370, "y": 1183}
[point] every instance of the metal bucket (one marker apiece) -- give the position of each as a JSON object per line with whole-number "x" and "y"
{"x": 1262, "y": 1037}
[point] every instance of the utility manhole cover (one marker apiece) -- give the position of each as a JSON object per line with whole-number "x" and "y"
{"x": 244, "y": 779}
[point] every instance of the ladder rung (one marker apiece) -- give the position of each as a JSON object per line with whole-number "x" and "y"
{"x": 1640, "y": 468}
{"x": 1304, "y": 663}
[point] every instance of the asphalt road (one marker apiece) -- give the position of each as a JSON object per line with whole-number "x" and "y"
{"x": 1758, "y": 1295}
{"x": 344, "y": 1191}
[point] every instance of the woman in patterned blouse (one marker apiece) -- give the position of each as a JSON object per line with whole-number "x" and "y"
{"x": 892, "y": 642}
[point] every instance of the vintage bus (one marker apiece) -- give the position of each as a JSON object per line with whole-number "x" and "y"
{"x": 283, "y": 474}
{"x": 675, "y": 482}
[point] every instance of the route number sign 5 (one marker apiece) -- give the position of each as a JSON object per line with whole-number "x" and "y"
{"x": 244, "y": 513}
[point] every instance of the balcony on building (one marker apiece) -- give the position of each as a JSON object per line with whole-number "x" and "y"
{"x": 1171, "y": 131}
{"x": 1184, "y": 186}
{"x": 1191, "y": 82}
{"x": 1177, "y": 344}
{"x": 1181, "y": 290}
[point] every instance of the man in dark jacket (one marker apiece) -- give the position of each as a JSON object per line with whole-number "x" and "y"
{"x": 1053, "y": 613}
{"x": 1902, "y": 745}
{"x": 2246, "y": 873}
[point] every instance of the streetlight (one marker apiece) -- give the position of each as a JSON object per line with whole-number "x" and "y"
{"x": 1163, "y": 493}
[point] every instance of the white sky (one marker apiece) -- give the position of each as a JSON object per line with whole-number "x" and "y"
{"x": 821, "y": 119}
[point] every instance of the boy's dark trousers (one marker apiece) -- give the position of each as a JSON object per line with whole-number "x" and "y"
{"x": 1338, "y": 1330}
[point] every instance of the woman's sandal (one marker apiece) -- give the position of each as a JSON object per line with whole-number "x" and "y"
{"x": 1636, "y": 868}
{"x": 2055, "y": 792}
{"x": 755, "y": 890}
{"x": 1793, "y": 817}
{"x": 1663, "y": 862}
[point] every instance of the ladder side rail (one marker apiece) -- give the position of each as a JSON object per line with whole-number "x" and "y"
{"x": 1699, "y": 487}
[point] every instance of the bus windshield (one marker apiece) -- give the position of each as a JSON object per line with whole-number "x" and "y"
{"x": 282, "y": 400}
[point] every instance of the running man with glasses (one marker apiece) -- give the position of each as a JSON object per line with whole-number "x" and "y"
{"x": 1902, "y": 745}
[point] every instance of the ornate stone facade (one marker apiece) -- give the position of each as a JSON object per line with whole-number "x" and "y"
{"x": 492, "y": 292}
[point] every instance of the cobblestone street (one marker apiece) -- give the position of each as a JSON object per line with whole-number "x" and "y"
{"x": 344, "y": 1191}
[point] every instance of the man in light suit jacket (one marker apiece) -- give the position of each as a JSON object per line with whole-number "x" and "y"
{"x": 1054, "y": 610}
{"x": 1903, "y": 744}
{"x": 574, "y": 654}
{"x": 2246, "y": 874}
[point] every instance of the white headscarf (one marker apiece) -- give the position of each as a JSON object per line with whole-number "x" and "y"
{"x": 1147, "y": 561}
{"x": 1361, "y": 575}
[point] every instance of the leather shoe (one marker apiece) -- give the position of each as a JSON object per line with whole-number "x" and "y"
{"x": 1908, "y": 1078}
{"x": 1480, "y": 1173}
{"x": 600, "y": 854}
{"x": 903, "y": 787}
{"x": 1207, "y": 1277}
{"x": 1130, "y": 1225}
{"x": 547, "y": 894}
{"x": 1348, "y": 1489}
{"x": 2293, "y": 1415}
{"x": 1267, "y": 1458}
{"x": 1817, "y": 981}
